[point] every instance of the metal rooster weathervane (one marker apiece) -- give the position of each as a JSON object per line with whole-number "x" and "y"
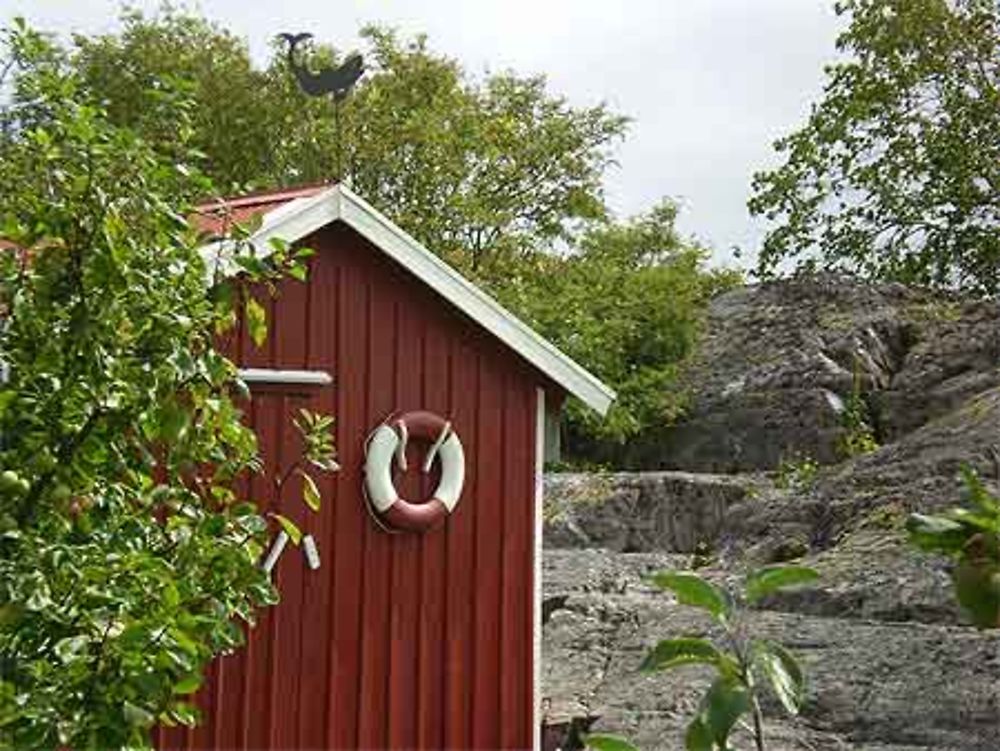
{"x": 336, "y": 82}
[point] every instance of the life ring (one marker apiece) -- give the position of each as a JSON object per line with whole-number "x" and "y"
{"x": 389, "y": 440}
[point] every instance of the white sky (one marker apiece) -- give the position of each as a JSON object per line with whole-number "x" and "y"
{"x": 709, "y": 83}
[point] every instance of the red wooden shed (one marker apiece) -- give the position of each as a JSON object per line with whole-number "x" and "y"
{"x": 399, "y": 639}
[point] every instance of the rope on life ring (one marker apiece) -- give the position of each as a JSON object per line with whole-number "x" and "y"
{"x": 389, "y": 441}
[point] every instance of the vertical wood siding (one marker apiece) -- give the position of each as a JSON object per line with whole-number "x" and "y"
{"x": 397, "y": 641}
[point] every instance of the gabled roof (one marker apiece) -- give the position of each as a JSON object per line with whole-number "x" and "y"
{"x": 294, "y": 214}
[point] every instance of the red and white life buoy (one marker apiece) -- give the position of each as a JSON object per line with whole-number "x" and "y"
{"x": 387, "y": 442}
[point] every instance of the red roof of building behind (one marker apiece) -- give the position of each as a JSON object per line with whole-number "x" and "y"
{"x": 218, "y": 217}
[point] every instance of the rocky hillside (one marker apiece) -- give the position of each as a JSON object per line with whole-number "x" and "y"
{"x": 891, "y": 663}
{"x": 779, "y": 361}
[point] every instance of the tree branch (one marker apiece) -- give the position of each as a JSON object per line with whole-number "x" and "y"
{"x": 27, "y": 511}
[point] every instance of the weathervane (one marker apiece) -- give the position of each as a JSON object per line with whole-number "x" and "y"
{"x": 336, "y": 82}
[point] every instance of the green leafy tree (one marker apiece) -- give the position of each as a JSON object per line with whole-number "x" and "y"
{"x": 630, "y": 303}
{"x": 742, "y": 663}
{"x": 896, "y": 174}
{"x": 970, "y": 537}
{"x": 127, "y": 559}
{"x": 477, "y": 169}
{"x": 231, "y": 119}
{"x": 480, "y": 171}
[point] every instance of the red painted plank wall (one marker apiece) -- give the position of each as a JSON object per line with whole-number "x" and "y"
{"x": 397, "y": 641}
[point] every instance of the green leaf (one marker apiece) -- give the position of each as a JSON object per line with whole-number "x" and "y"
{"x": 973, "y": 520}
{"x": 977, "y": 586}
{"x": 772, "y": 578}
{"x": 252, "y": 223}
{"x": 936, "y": 533}
{"x": 40, "y": 598}
{"x": 188, "y": 684}
{"x": 670, "y": 653}
{"x": 293, "y": 532}
{"x": 170, "y": 595}
{"x": 605, "y": 742}
{"x": 174, "y": 422}
{"x": 783, "y": 673}
{"x": 184, "y": 713}
{"x": 256, "y": 320}
{"x": 136, "y": 715}
{"x": 10, "y": 613}
{"x": 698, "y": 736}
{"x": 726, "y": 701}
{"x": 254, "y": 267}
{"x": 310, "y": 493}
{"x": 691, "y": 589}
{"x": 980, "y": 496}
{"x": 6, "y": 398}
{"x": 278, "y": 244}
{"x": 70, "y": 648}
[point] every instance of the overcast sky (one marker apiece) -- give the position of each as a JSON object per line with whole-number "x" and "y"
{"x": 709, "y": 83}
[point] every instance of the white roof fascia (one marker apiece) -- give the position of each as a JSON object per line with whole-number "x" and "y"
{"x": 301, "y": 217}
{"x": 290, "y": 222}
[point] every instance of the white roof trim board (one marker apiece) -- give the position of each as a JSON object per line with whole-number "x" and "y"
{"x": 302, "y": 216}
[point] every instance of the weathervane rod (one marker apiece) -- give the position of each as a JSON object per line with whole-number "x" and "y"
{"x": 339, "y": 147}
{"x": 336, "y": 82}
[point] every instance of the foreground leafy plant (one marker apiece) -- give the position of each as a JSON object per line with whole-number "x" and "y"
{"x": 127, "y": 558}
{"x": 970, "y": 536}
{"x": 742, "y": 664}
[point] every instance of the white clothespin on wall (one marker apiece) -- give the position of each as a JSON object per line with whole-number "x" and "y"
{"x": 311, "y": 551}
{"x": 275, "y": 552}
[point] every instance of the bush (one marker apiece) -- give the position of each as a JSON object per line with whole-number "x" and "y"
{"x": 629, "y": 305}
{"x": 127, "y": 560}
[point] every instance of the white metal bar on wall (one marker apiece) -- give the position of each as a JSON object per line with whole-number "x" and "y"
{"x": 290, "y": 377}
